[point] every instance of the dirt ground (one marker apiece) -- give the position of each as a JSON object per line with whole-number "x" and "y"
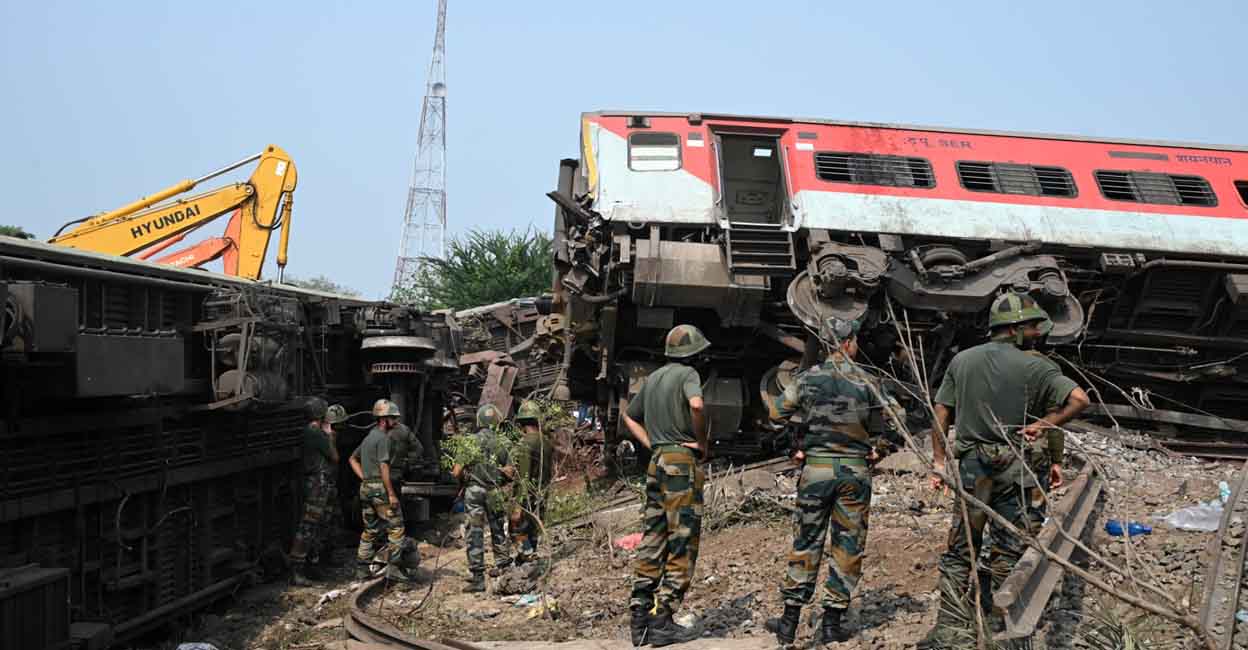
{"x": 740, "y": 565}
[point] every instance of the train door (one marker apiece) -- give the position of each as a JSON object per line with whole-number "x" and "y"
{"x": 752, "y": 183}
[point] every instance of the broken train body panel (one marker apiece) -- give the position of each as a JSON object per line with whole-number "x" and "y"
{"x": 150, "y": 442}
{"x": 756, "y": 228}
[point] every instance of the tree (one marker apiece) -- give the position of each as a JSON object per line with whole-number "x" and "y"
{"x": 15, "y": 231}
{"x": 486, "y": 267}
{"x": 322, "y": 283}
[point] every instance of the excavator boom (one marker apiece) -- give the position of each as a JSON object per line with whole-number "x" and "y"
{"x": 261, "y": 205}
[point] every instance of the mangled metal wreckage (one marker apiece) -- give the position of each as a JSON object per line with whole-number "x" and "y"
{"x": 755, "y": 229}
{"x": 152, "y": 425}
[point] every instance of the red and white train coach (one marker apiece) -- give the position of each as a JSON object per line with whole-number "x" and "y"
{"x": 757, "y": 228}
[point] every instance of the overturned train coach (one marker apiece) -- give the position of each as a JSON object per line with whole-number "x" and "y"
{"x": 755, "y": 229}
{"x": 152, "y": 424}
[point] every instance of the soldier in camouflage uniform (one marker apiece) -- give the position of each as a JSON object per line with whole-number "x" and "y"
{"x": 320, "y": 456}
{"x": 483, "y": 498}
{"x": 989, "y": 392}
{"x": 384, "y": 539}
{"x": 667, "y": 417}
{"x": 835, "y": 403}
{"x": 336, "y": 418}
{"x": 534, "y": 465}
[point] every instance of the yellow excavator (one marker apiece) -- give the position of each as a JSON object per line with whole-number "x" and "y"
{"x": 152, "y": 224}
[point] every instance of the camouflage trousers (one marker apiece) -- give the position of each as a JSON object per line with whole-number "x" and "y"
{"x": 995, "y": 475}
{"x": 835, "y": 493}
{"x": 384, "y": 536}
{"x": 485, "y": 510}
{"x": 672, "y": 524}
{"x": 313, "y": 531}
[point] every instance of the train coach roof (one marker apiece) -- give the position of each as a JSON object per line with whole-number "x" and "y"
{"x": 934, "y": 129}
{"x": 13, "y": 250}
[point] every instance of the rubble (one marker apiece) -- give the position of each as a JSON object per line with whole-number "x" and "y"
{"x": 741, "y": 565}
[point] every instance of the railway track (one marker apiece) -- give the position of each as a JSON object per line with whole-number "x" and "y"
{"x": 378, "y": 634}
{"x": 1225, "y": 590}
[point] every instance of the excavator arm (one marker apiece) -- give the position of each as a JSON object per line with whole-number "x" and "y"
{"x": 263, "y": 204}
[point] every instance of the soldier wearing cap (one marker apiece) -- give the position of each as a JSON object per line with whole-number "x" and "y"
{"x": 379, "y": 494}
{"x": 320, "y": 457}
{"x": 999, "y": 397}
{"x": 483, "y": 498}
{"x": 336, "y": 419}
{"x": 534, "y": 467}
{"x": 667, "y": 417}
{"x": 835, "y": 400}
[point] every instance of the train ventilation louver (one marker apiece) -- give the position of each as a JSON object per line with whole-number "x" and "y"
{"x": 1161, "y": 189}
{"x": 873, "y": 169}
{"x": 1010, "y": 178}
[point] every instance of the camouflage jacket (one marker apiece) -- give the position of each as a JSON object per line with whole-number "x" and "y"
{"x": 835, "y": 405}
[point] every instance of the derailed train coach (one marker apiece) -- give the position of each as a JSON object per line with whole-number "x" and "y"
{"x": 151, "y": 434}
{"x": 755, "y": 229}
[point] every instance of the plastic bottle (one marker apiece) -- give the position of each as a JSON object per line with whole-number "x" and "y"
{"x": 1224, "y": 491}
{"x": 1204, "y": 517}
{"x": 1114, "y": 527}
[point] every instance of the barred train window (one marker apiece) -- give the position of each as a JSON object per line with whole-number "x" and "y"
{"x": 874, "y": 169}
{"x": 1011, "y": 178}
{"x": 1242, "y": 187}
{"x": 1151, "y": 187}
{"x": 653, "y": 152}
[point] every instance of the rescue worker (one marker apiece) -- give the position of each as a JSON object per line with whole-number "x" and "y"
{"x": 835, "y": 403}
{"x": 336, "y": 418}
{"x": 534, "y": 468}
{"x": 405, "y": 450}
{"x": 379, "y": 495}
{"x": 483, "y": 498}
{"x": 319, "y": 455}
{"x": 989, "y": 392}
{"x": 667, "y": 416}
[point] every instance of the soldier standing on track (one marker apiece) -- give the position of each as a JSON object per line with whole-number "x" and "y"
{"x": 673, "y": 427}
{"x": 379, "y": 495}
{"x": 835, "y": 403}
{"x": 483, "y": 498}
{"x": 534, "y": 466}
{"x": 319, "y": 456}
{"x": 989, "y": 392}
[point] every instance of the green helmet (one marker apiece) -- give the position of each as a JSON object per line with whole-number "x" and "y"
{"x": 529, "y": 411}
{"x": 685, "y": 341}
{"x": 315, "y": 407}
{"x": 834, "y": 330}
{"x": 335, "y": 414}
{"x": 488, "y": 415}
{"x": 385, "y": 408}
{"x": 1012, "y": 308}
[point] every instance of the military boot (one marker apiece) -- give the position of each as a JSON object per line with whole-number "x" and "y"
{"x": 831, "y": 629}
{"x": 664, "y": 631}
{"x": 785, "y": 627}
{"x": 638, "y": 626}
{"x": 363, "y": 571}
{"x": 476, "y": 584}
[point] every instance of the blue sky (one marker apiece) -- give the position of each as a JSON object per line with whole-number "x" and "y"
{"x": 104, "y": 102}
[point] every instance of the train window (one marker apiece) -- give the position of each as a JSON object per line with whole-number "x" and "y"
{"x": 1151, "y": 187}
{"x": 1242, "y": 187}
{"x": 874, "y": 169}
{"x": 1010, "y": 178}
{"x": 653, "y": 152}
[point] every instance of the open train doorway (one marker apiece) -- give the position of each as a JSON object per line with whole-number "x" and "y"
{"x": 753, "y": 186}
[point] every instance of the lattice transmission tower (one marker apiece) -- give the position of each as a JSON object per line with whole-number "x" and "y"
{"x": 424, "y": 220}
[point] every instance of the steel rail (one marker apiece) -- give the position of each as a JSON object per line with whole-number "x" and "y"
{"x": 1223, "y": 593}
{"x": 1025, "y": 593}
{"x": 366, "y": 628}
